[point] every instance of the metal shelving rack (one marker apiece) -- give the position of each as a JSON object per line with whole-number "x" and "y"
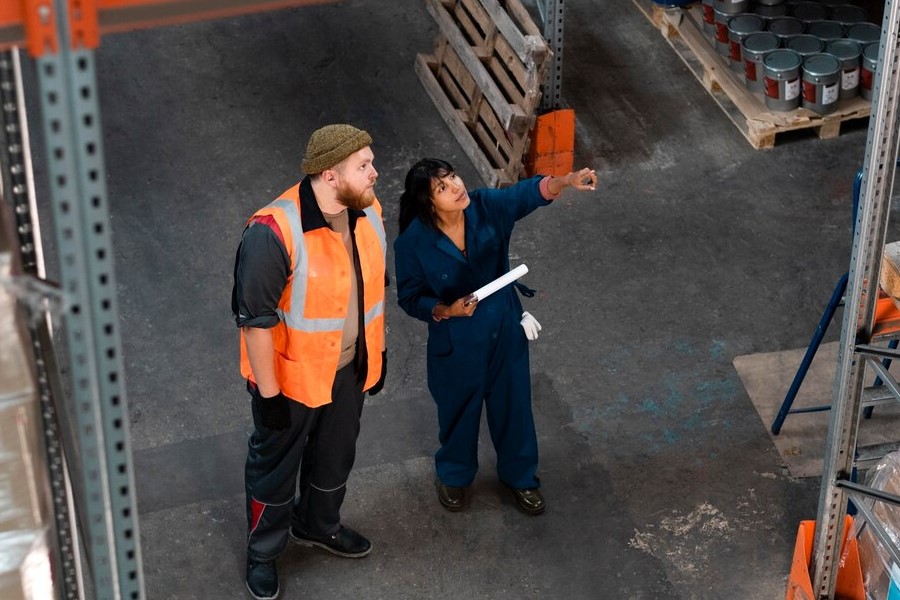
{"x": 61, "y": 36}
{"x": 90, "y": 471}
{"x": 856, "y": 350}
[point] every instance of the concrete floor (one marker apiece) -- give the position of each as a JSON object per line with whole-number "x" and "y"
{"x": 661, "y": 480}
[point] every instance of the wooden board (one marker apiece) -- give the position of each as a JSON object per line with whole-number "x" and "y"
{"x": 683, "y": 30}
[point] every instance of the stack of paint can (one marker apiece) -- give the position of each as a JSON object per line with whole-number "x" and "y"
{"x": 810, "y": 53}
{"x": 740, "y": 27}
{"x": 723, "y": 12}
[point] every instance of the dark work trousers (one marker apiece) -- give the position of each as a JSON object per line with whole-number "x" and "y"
{"x": 497, "y": 376}
{"x": 320, "y": 446}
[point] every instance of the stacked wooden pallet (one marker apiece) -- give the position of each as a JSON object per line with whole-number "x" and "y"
{"x": 683, "y": 30}
{"x": 485, "y": 76}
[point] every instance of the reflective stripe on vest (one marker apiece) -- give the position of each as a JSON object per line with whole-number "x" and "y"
{"x": 311, "y": 319}
{"x": 294, "y": 318}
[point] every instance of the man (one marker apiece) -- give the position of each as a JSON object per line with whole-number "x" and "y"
{"x": 308, "y": 295}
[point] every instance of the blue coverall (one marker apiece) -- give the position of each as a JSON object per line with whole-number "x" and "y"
{"x": 482, "y": 358}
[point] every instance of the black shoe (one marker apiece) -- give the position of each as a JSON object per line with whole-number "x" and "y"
{"x": 531, "y": 501}
{"x": 453, "y": 499}
{"x": 262, "y": 579}
{"x": 345, "y": 542}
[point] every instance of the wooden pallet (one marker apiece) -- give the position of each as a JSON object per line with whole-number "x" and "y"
{"x": 683, "y": 30}
{"x": 485, "y": 77}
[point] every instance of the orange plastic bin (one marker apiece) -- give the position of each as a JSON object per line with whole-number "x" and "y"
{"x": 552, "y": 146}
{"x": 850, "y": 584}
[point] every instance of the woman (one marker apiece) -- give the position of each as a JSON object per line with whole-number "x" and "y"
{"x": 451, "y": 243}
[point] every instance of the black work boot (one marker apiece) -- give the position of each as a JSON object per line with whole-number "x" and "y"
{"x": 345, "y": 542}
{"x": 262, "y": 579}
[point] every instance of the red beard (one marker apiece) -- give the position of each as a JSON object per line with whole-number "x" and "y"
{"x": 356, "y": 200}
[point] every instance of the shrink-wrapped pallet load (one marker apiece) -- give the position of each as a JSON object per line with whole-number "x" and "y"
{"x": 880, "y": 574}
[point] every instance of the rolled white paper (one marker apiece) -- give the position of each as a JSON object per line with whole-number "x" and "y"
{"x": 502, "y": 281}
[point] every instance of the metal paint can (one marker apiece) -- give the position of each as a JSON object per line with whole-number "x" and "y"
{"x": 821, "y": 83}
{"x": 753, "y": 50}
{"x": 849, "y": 53}
{"x": 782, "y": 79}
{"x": 739, "y": 28}
{"x": 808, "y": 11}
{"x": 723, "y": 46}
{"x": 709, "y": 17}
{"x": 826, "y": 31}
{"x": 786, "y": 27}
{"x": 848, "y": 14}
{"x": 868, "y": 68}
{"x": 864, "y": 33}
{"x": 731, "y": 7}
{"x": 805, "y": 44}
{"x": 770, "y": 11}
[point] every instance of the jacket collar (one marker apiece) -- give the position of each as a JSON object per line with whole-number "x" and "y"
{"x": 443, "y": 243}
{"x": 312, "y": 217}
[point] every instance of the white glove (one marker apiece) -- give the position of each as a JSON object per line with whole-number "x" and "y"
{"x": 530, "y": 325}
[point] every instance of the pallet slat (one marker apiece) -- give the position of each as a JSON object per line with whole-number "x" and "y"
{"x": 531, "y": 47}
{"x": 682, "y": 29}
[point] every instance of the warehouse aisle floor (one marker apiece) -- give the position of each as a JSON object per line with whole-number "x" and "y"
{"x": 661, "y": 479}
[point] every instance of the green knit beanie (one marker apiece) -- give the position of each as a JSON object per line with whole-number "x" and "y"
{"x": 331, "y": 144}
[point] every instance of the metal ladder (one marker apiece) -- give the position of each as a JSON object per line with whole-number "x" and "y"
{"x": 856, "y": 350}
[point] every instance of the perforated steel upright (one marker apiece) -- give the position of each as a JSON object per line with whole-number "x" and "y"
{"x": 77, "y": 185}
{"x": 18, "y": 190}
{"x": 854, "y": 351}
{"x": 551, "y": 13}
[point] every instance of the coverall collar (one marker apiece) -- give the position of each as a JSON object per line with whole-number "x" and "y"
{"x": 443, "y": 243}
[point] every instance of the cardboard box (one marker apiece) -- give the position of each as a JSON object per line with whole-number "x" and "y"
{"x": 25, "y": 566}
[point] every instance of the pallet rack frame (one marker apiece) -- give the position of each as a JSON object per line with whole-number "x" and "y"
{"x": 93, "y": 474}
{"x": 855, "y": 351}
{"x": 62, "y": 34}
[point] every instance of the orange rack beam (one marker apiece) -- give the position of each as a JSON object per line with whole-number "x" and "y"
{"x": 19, "y": 23}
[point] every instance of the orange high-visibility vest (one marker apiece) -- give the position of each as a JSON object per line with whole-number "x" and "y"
{"x": 313, "y": 306}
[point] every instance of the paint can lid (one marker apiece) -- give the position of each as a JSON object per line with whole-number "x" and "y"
{"x": 864, "y": 33}
{"x": 821, "y": 64}
{"x": 809, "y": 11}
{"x": 770, "y": 10}
{"x": 782, "y": 59}
{"x": 848, "y": 13}
{"x": 745, "y": 23}
{"x": 870, "y": 51}
{"x": 826, "y": 30}
{"x": 843, "y": 49}
{"x": 784, "y": 26}
{"x": 761, "y": 42}
{"x": 805, "y": 44}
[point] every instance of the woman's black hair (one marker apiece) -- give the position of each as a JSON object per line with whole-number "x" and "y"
{"x": 415, "y": 201}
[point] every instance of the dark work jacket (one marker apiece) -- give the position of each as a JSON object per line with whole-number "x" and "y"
{"x": 431, "y": 269}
